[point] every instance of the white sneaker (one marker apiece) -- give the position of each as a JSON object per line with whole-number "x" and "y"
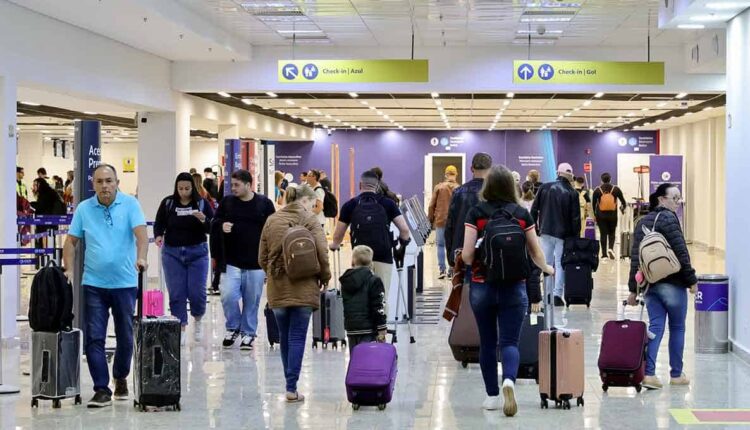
{"x": 510, "y": 407}
{"x": 198, "y": 330}
{"x": 492, "y": 403}
{"x": 611, "y": 254}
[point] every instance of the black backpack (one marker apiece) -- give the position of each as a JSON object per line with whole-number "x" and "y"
{"x": 330, "y": 204}
{"x": 370, "y": 225}
{"x": 51, "y": 300}
{"x": 503, "y": 247}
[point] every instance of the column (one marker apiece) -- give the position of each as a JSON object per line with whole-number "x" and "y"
{"x": 163, "y": 152}
{"x": 8, "y": 230}
{"x": 30, "y": 154}
{"x": 737, "y": 160}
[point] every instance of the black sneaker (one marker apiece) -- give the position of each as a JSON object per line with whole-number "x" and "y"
{"x": 559, "y": 301}
{"x": 442, "y": 275}
{"x": 101, "y": 399}
{"x": 247, "y": 343}
{"x": 121, "y": 389}
{"x": 230, "y": 337}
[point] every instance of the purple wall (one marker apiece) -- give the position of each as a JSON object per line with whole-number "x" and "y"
{"x": 401, "y": 153}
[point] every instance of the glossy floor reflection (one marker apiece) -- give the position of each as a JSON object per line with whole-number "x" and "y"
{"x": 230, "y": 389}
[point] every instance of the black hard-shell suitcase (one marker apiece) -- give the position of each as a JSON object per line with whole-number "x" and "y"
{"x": 156, "y": 359}
{"x": 528, "y": 347}
{"x": 272, "y": 327}
{"x": 626, "y": 242}
{"x": 328, "y": 320}
{"x": 579, "y": 285}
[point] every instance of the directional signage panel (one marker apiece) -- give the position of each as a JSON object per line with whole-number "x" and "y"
{"x": 588, "y": 72}
{"x": 352, "y": 71}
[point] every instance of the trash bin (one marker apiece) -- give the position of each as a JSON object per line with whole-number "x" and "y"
{"x": 712, "y": 315}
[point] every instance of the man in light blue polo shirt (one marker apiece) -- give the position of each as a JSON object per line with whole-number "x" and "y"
{"x": 113, "y": 229}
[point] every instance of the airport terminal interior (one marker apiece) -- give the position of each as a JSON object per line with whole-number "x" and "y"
{"x": 584, "y": 93}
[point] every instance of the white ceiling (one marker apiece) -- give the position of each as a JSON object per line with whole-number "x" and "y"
{"x": 438, "y": 22}
{"x": 533, "y": 111}
{"x": 69, "y": 102}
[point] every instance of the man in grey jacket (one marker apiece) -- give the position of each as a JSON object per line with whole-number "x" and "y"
{"x": 557, "y": 212}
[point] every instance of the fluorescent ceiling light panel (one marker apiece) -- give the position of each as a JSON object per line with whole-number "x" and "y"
{"x": 435, "y": 95}
{"x": 364, "y": 102}
{"x": 30, "y": 104}
{"x": 510, "y": 95}
{"x": 289, "y": 102}
{"x": 506, "y": 102}
{"x": 598, "y": 95}
{"x": 691, "y": 26}
{"x": 587, "y": 103}
{"x": 247, "y": 101}
{"x": 730, "y": 5}
{"x": 709, "y": 18}
{"x": 223, "y": 94}
{"x": 438, "y": 102}
{"x": 270, "y": 94}
{"x": 681, "y": 96}
{"x": 305, "y": 108}
{"x": 353, "y": 95}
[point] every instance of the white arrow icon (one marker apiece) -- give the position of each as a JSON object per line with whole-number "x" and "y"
{"x": 290, "y": 72}
{"x": 526, "y": 72}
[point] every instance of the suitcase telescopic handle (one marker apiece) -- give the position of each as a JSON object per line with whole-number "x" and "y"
{"x": 139, "y": 301}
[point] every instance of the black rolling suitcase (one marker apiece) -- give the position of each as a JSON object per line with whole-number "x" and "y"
{"x": 579, "y": 285}
{"x": 156, "y": 360}
{"x": 528, "y": 347}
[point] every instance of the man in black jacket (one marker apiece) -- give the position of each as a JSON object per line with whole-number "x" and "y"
{"x": 557, "y": 212}
{"x": 464, "y": 198}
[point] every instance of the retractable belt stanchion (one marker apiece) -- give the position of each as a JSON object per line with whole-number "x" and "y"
{"x": 4, "y": 388}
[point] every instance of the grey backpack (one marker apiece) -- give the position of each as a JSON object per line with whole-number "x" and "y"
{"x": 655, "y": 255}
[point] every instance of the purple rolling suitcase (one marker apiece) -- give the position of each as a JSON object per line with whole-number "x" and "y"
{"x": 371, "y": 376}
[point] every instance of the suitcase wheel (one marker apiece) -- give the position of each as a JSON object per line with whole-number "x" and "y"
{"x": 544, "y": 404}
{"x": 135, "y": 404}
{"x": 343, "y": 344}
{"x": 605, "y": 387}
{"x": 177, "y": 407}
{"x": 464, "y": 364}
{"x": 335, "y": 345}
{"x": 325, "y": 345}
{"x": 56, "y": 404}
{"x": 78, "y": 400}
{"x": 638, "y": 388}
{"x": 566, "y": 404}
{"x": 381, "y": 407}
{"x": 34, "y": 403}
{"x": 355, "y": 406}
{"x": 579, "y": 402}
{"x": 315, "y": 345}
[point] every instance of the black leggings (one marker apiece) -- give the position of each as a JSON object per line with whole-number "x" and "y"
{"x": 607, "y": 229}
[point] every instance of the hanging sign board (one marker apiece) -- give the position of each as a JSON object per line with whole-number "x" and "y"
{"x": 352, "y": 71}
{"x": 588, "y": 72}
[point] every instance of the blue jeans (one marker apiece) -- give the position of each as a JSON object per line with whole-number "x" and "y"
{"x": 666, "y": 301}
{"x": 185, "y": 271}
{"x": 499, "y": 311}
{"x": 440, "y": 242}
{"x": 99, "y": 301}
{"x": 553, "y": 251}
{"x": 246, "y": 285}
{"x": 293, "y": 322}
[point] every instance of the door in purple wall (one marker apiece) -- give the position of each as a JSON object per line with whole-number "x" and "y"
{"x": 435, "y": 164}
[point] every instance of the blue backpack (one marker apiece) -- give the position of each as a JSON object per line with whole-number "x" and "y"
{"x": 370, "y": 225}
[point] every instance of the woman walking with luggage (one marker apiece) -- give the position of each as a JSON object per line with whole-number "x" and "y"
{"x": 500, "y": 306}
{"x": 294, "y": 287}
{"x": 182, "y": 223}
{"x": 666, "y": 299}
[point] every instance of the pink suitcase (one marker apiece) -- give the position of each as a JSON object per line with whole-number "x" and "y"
{"x": 371, "y": 376}
{"x": 153, "y": 303}
{"x": 561, "y": 367}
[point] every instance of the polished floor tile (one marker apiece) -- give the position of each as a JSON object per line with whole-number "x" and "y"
{"x": 229, "y": 389}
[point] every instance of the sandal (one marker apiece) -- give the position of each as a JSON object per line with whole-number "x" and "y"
{"x": 296, "y": 399}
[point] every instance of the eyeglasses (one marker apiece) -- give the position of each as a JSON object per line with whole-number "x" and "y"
{"x": 107, "y": 217}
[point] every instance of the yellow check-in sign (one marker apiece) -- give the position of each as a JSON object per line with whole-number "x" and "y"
{"x": 352, "y": 71}
{"x": 588, "y": 72}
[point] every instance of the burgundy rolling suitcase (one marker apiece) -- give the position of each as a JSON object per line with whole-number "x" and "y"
{"x": 622, "y": 357}
{"x": 371, "y": 376}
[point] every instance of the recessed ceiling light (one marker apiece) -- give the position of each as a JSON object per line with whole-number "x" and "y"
{"x": 90, "y": 113}
{"x": 510, "y": 95}
{"x": 281, "y": 112}
{"x": 646, "y": 123}
{"x": 380, "y": 113}
{"x": 599, "y": 124}
{"x": 353, "y": 95}
{"x": 506, "y": 102}
{"x": 346, "y": 124}
{"x": 609, "y": 121}
{"x": 438, "y": 102}
{"x": 435, "y": 95}
{"x": 440, "y": 108}
{"x": 631, "y": 114}
{"x": 591, "y": 127}
{"x": 359, "y": 129}
{"x": 305, "y": 108}
{"x": 659, "y": 120}
{"x": 644, "y": 110}
{"x": 386, "y": 117}
{"x": 270, "y": 94}
{"x": 587, "y": 103}
{"x": 352, "y": 126}
{"x": 728, "y": 5}
{"x": 560, "y": 117}
{"x": 627, "y": 129}
{"x": 30, "y": 104}
{"x": 681, "y": 96}
{"x": 293, "y": 116}
{"x": 223, "y": 94}
{"x": 708, "y": 108}
{"x": 307, "y": 120}
{"x": 364, "y": 102}
{"x": 338, "y": 120}
{"x": 317, "y": 112}
{"x": 688, "y": 114}
{"x": 372, "y": 108}
{"x": 329, "y": 116}
{"x": 661, "y": 105}
{"x": 691, "y": 26}
{"x": 247, "y": 101}
{"x": 289, "y": 102}
{"x": 599, "y": 95}
{"x": 568, "y": 114}
{"x": 392, "y": 121}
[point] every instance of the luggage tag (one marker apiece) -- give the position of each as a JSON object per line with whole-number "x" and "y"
{"x": 534, "y": 318}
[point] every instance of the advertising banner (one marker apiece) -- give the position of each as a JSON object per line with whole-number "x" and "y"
{"x": 668, "y": 168}
{"x": 588, "y": 72}
{"x": 88, "y": 156}
{"x": 352, "y": 71}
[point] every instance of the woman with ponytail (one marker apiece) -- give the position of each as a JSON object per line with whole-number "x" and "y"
{"x": 666, "y": 299}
